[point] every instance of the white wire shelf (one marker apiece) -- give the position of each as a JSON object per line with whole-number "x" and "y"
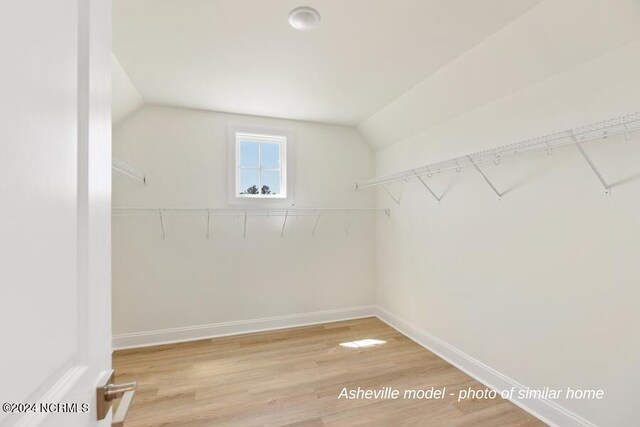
{"x": 128, "y": 170}
{"x": 244, "y": 213}
{"x": 269, "y": 212}
{"x": 617, "y": 126}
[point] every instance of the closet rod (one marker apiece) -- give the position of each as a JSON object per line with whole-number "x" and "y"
{"x": 127, "y": 170}
{"x": 267, "y": 212}
{"x": 161, "y": 213}
{"x": 620, "y": 125}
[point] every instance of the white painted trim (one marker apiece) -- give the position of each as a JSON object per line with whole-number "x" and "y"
{"x": 56, "y": 389}
{"x": 199, "y": 332}
{"x": 288, "y": 166}
{"x": 543, "y": 409}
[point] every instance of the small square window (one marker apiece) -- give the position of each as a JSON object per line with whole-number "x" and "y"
{"x": 260, "y": 161}
{"x": 258, "y": 166}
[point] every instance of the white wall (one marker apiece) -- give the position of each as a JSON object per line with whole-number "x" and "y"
{"x": 125, "y": 97}
{"x": 541, "y": 286}
{"x": 186, "y": 280}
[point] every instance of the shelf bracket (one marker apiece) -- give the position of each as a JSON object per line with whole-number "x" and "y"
{"x": 284, "y": 223}
{"x": 426, "y": 186}
{"x": 594, "y": 168}
{"x": 627, "y": 134}
{"x": 244, "y": 229}
{"x": 353, "y": 217}
{"x": 208, "y": 223}
{"x": 495, "y": 190}
{"x": 384, "y": 187}
{"x": 164, "y": 234}
{"x": 315, "y": 226}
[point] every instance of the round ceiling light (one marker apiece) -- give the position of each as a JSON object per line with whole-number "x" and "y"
{"x": 304, "y": 18}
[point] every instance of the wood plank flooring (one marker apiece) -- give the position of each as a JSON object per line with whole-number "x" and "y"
{"x": 293, "y": 377}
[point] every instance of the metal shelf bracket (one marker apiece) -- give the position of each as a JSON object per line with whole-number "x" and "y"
{"x": 594, "y": 168}
{"x": 427, "y": 187}
{"x": 495, "y": 190}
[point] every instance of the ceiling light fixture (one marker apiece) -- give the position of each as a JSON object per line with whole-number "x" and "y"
{"x": 304, "y": 18}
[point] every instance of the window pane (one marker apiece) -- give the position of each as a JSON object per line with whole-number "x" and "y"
{"x": 248, "y": 154}
{"x": 270, "y": 156}
{"x": 270, "y": 182}
{"x": 249, "y": 181}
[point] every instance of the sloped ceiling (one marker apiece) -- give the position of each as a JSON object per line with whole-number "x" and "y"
{"x": 551, "y": 38}
{"x": 125, "y": 97}
{"x": 242, "y": 56}
{"x": 393, "y": 69}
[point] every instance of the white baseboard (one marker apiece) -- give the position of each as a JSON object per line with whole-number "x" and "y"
{"x": 193, "y": 333}
{"x": 543, "y": 409}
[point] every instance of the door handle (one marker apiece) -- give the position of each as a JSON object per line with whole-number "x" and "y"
{"x": 116, "y": 391}
{"x": 125, "y": 404}
{"x": 109, "y": 392}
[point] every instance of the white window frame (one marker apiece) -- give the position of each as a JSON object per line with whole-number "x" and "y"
{"x": 284, "y": 137}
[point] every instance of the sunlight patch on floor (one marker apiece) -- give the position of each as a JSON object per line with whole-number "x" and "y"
{"x": 362, "y": 343}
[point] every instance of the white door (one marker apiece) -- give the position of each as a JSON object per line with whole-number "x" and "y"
{"x": 55, "y": 189}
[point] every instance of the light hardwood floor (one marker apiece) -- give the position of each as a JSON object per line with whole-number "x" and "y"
{"x": 293, "y": 377}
